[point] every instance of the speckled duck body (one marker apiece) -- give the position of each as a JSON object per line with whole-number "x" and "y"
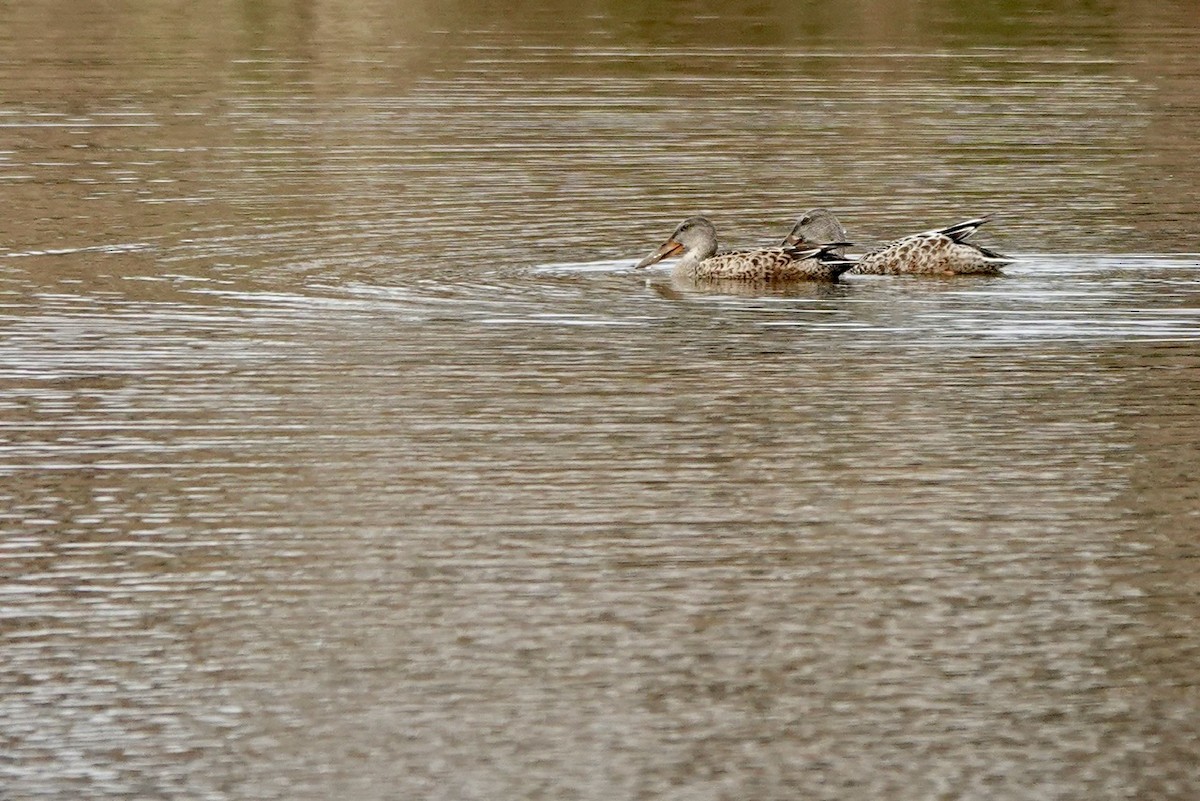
{"x": 944, "y": 251}
{"x": 695, "y": 241}
{"x": 931, "y": 253}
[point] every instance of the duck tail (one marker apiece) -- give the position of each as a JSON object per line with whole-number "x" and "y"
{"x": 817, "y": 251}
{"x": 959, "y": 232}
{"x": 839, "y": 264}
{"x": 828, "y": 256}
{"x": 992, "y": 257}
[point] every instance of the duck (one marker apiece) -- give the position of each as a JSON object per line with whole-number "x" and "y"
{"x": 695, "y": 242}
{"x": 942, "y": 251}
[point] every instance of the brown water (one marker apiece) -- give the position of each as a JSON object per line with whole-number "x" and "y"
{"x": 343, "y": 455}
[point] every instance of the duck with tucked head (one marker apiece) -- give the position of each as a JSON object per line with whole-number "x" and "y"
{"x": 695, "y": 243}
{"x": 943, "y": 251}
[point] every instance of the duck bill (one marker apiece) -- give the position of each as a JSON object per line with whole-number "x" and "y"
{"x": 669, "y": 248}
{"x": 795, "y": 240}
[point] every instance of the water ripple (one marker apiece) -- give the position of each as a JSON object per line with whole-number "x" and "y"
{"x": 345, "y": 455}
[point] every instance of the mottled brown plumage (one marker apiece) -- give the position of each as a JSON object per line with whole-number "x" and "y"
{"x": 695, "y": 242}
{"x": 944, "y": 251}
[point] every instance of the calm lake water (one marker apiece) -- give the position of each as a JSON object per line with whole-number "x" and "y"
{"x": 344, "y": 455}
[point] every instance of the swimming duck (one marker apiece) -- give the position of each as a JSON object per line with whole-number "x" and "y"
{"x": 943, "y": 251}
{"x": 695, "y": 241}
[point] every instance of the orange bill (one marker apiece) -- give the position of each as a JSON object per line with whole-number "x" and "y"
{"x": 669, "y": 248}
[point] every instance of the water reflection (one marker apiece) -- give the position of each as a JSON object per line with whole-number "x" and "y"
{"x": 342, "y": 454}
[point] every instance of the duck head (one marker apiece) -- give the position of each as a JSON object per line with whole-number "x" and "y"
{"x": 816, "y": 227}
{"x": 695, "y": 238}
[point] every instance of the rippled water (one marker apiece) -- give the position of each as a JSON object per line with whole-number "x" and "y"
{"x": 344, "y": 455}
